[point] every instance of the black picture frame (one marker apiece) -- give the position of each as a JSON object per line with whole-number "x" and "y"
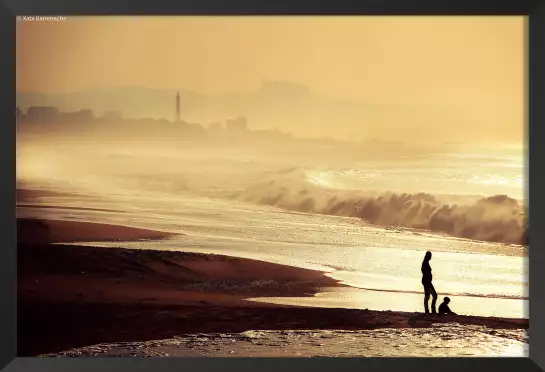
{"x": 533, "y": 10}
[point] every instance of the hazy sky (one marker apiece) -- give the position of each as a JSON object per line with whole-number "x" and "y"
{"x": 470, "y": 65}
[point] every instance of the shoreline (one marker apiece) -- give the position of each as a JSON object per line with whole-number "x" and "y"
{"x": 71, "y": 296}
{"x": 75, "y": 296}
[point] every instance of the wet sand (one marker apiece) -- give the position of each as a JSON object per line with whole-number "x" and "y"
{"x": 76, "y": 296}
{"x": 446, "y": 340}
{"x": 73, "y": 296}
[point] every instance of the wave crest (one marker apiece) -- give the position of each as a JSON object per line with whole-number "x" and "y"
{"x": 498, "y": 218}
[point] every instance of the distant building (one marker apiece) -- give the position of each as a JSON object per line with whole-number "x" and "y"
{"x": 198, "y": 127}
{"x": 236, "y": 125}
{"x": 77, "y": 116}
{"x": 177, "y": 118}
{"x": 42, "y": 114}
{"x": 215, "y": 126}
{"x": 19, "y": 118}
{"x": 18, "y": 114}
{"x": 112, "y": 115}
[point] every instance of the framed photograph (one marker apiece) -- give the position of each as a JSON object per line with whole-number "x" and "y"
{"x": 277, "y": 186}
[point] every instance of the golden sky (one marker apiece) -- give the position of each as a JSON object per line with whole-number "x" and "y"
{"x": 471, "y": 65}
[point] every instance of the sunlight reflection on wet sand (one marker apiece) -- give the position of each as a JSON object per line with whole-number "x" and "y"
{"x": 409, "y": 302}
{"x": 450, "y": 340}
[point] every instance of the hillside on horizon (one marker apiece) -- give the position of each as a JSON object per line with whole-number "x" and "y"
{"x": 288, "y": 106}
{"x": 284, "y": 105}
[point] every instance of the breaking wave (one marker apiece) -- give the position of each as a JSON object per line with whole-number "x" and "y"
{"x": 498, "y": 218}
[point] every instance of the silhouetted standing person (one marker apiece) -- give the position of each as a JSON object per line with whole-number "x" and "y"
{"x": 428, "y": 286}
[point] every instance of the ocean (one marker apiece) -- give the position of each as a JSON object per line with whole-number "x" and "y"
{"x": 364, "y": 219}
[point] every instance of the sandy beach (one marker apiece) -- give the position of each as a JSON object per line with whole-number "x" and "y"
{"x": 272, "y": 187}
{"x": 275, "y": 187}
{"x": 75, "y": 296}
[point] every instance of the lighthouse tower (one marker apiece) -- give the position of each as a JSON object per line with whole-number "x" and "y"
{"x": 177, "y": 107}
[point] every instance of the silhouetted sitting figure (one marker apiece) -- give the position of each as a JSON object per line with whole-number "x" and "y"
{"x": 444, "y": 309}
